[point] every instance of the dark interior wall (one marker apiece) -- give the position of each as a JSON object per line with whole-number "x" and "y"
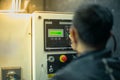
{"x": 5, "y": 4}
{"x": 65, "y": 5}
{"x": 35, "y": 5}
{"x": 114, "y": 5}
{"x": 71, "y": 5}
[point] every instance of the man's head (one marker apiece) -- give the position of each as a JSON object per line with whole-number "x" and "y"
{"x": 91, "y": 27}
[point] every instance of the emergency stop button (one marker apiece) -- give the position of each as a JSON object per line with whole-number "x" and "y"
{"x": 63, "y": 58}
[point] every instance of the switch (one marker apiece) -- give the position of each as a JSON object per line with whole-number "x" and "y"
{"x": 51, "y": 58}
{"x": 63, "y": 58}
{"x": 51, "y": 70}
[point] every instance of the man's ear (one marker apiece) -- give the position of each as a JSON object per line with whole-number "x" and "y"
{"x": 73, "y": 35}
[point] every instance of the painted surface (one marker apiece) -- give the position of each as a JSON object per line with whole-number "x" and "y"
{"x": 15, "y": 42}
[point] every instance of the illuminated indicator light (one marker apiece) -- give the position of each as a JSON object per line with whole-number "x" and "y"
{"x": 55, "y": 32}
{"x": 63, "y": 58}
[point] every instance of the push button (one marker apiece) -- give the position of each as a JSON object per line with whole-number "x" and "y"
{"x": 63, "y": 58}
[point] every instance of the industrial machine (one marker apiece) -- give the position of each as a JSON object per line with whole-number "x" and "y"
{"x": 15, "y": 46}
{"x": 46, "y": 43}
{"x": 50, "y": 43}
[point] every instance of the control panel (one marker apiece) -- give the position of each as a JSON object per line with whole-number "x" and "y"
{"x": 57, "y": 61}
{"x": 57, "y": 34}
{"x": 51, "y": 43}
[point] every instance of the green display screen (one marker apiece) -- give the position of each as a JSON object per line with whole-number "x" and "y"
{"x": 55, "y": 32}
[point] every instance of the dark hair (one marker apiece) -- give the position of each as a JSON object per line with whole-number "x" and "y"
{"x": 93, "y": 23}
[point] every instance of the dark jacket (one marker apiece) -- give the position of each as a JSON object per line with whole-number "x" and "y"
{"x": 95, "y": 65}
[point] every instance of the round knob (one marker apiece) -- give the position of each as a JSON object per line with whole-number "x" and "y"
{"x": 51, "y": 58}
{"x": 51, "y": 70}
{"x": 63, "y": 58}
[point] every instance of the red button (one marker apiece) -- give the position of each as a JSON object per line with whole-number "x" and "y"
{"x": 63, "y": 58}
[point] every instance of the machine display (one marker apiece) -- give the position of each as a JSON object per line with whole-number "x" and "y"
{"x": 57, "y": 32}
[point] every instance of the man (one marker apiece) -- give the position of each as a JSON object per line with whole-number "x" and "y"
{"x": 89, "y": 34}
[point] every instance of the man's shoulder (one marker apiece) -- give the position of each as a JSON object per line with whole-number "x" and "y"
{"x": 88, "y": 62}
{"x": 94, "y": 66}
{"x": 80, "y": 69}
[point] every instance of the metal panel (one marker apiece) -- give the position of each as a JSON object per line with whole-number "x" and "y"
{"x": 39, "y": 55}
{"x": 15, "y": 42}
